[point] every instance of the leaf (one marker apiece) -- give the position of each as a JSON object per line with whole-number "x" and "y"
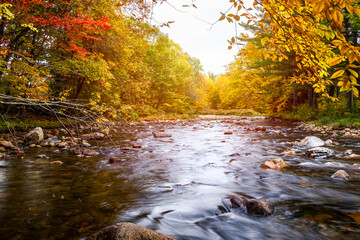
{"x": 355, "y": 91}
{"x": 222, "y": 17}
{"x": 335, "y": 61}
{"x": 237, "y": 17}
{"x": 354, "y": 73}
{"x": 337, "y": 74}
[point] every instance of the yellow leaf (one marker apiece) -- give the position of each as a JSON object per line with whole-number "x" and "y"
{"x": 334, "y": 61}
{"x": 222, "y": 17}
{"x": 341, "y": 83}
{"x": 350, "y": 8}
{"x": 318, "y": 8}
{"x": 337, "y": 74}
{"x": 353, "y": 80}
{"x": 355, "y": 91}
{"x": 354, "y": 73}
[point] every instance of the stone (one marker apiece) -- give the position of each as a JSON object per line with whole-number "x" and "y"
{"x": 42, "y": 156}
{"x": 160, "y": 134}
{"x": 276, "y": 163}
{"x": 56, "y": 163}
{"x": 254, "y": 207}
{"x": 228, "y": 133}
{"x": 52, "y": 140}
{"x": 136, "y": 146}
{"x": 288, "y": 152}
{"x": 62, "y": 145}
{"x": 260, "y": 128}
{"x": 348, "y": 152}
{"x": 90, "y": 152}
{"x": 128, "y": 231}
{"x": 2, "y": 155}
{"x": 353, "y": 156}
{"x": 6, "y": 144}
{"x": 75, "y": 151}
{"x": 347, "y": 134}
{"x": 32, "y": 145}
{"x": 311, "y": 142}
{"x": 35, "y": 135}
{"x": 114, "y": 160}
{"x": 320, "y": 152}
{"x": 85, "y": 144}
{"x": 93, "y": 136}
{"x": 2, "y": 149}
{"x": 341, "y": 174}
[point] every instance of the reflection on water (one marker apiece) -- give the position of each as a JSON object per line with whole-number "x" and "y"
{"x": 179, "y": 186}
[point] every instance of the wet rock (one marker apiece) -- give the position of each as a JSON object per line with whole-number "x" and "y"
{"x": 311, "y": 142}
{"x": 62, "y": 145}
{"x": 56, "y": 151}
{"x": 341, "y": 174}
{"x": 276, "y": 163}
{"x": 347, "y": 134}
{"x": 2, "y": 155}
{"x": 114, "y": 160}
{"x": 7, "y": 144}
{"x": 348, "y": 152}
{"x": 35, "y": 135}
{"x": 75, "y": 151}
{"x": 136, "y": 146}
{"x": 56, "y": 163}
{"x": 125, "y": 149}
{"x": 128, "y": 231}
{"x": 43, "y": 156}
{"x": 32, "y": 145}
{"x": 228, "y": 133}
{"x": 160, "y": 134}
{"x": 52, "y": 140}
{"x": 2, "y": 149}
{"x": 277, "y": 132}
{"x": 85, "y": 144}
{"x": 260, "y": 128}
{"x": 353, "y": 156}
{"x": 288, "y": 152}
{"x": 254, "y": 207}
{"x": 320, "y": 152}
{"x": 161, "y": 130}
{"x": 90, "y": 152}
{"x": 93, "y": 136}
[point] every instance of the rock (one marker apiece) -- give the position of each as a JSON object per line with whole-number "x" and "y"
{"x": 160, "y": 134}
{"x": 85, "y": 144}
{"x": 2, "y": 149}
{"x": 136, "y": 146}
{"x": 347, "y": 134}
{"x": 128, "y": 231}
{"x": 288, "y": 152}
{"x": 2, "y": 155}
{"x": 56, "y": 151}
{"x": 114, "y": 160}
{"x": 320, "y": 152}
{"x": 35, "y": 135}
{"x": 6, "y": 144}
{"x": 42, "y": 156}
{"x": 311, "y": 142}
{"x": 93, "y": 136}
{"x": 341, "y": 174}
{"x": 62, "y": 145}
{"x": 75, "y": 151}
{"x": 277, "y": 132}
{"x": 32, "y": 145}
{"x": 90, "y": 152}
{"x": 161, "y": 130}
{"x": 348, "y": 152}
{"x": 56, "y": 163}
{"x": 260, "y": 128}
{"x": 276, "y": 163}
{"x": 254, "y": 207}
{"x": 228, "y": 133}
{"x": 52, "y": 140}
{"x": 353, "y": 156}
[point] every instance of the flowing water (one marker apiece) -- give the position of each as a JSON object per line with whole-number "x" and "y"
{"x": 181, "y": 185}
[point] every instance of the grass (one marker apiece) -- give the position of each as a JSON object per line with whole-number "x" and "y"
{"x": 25, "y": 125}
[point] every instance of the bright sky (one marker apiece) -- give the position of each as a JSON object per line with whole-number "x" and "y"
{"x": 194, "y": 35}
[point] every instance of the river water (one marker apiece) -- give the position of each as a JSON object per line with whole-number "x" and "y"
{"x": 180, "y": 186}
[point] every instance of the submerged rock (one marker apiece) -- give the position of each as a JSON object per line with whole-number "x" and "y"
{"x": 276, "y": 163}
{"x": 288, "y": 152}
{"x": 114, "y": 160}
{"x": 311, "y": 142}
{"x": 260, "y": 128}
{"x": 160, "y": 134}
{"x": 341, "y": 174}
{"x": 35, "y": 135}
{"x": 320, "y": 152}
{"x": 254, "y": 207}
{"x": 228, "y": 133}
{"x": 93, "y": 136}
{"x": 128, "y": 231}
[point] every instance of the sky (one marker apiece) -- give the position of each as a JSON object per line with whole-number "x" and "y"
{"x": 193, "y": 32}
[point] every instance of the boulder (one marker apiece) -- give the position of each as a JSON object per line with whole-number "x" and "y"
{"x": 160, "y": 134}
{"x": 2, "y": 149}
{"x": 93, "y": 136}
{"x": 89, "y": 152}
{"x": 260, "y": 128}
{"x": 288, "y": 152}
{"x": 128, "y": 231}
{"x": 254, "y": 207}
{"x": 311, "y": 142}
{"x": 320, "y": 152}
{"x": 35, "y": 135}
{"x": 114, "y": 160}
{"x": 341, "y": 174}
{"x": 62, "y": 145}
{"x": 6, "y": 144}
{"x": 42, "y": 156}
{"x": 276, "y": 163}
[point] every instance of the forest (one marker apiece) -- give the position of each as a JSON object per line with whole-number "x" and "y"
{"x": 300, "y": 60}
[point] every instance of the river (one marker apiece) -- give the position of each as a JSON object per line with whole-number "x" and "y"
{"x": 181, "y": 185}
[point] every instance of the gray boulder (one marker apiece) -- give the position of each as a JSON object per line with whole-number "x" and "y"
{"x": 341, "y": 174}
{"x": 311, "y": 142}
{"x": 320, "y": 152}
{"x": 254, "y": 207}
{"x": 128, "y": 231}
{"x": 34, "y": 136}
